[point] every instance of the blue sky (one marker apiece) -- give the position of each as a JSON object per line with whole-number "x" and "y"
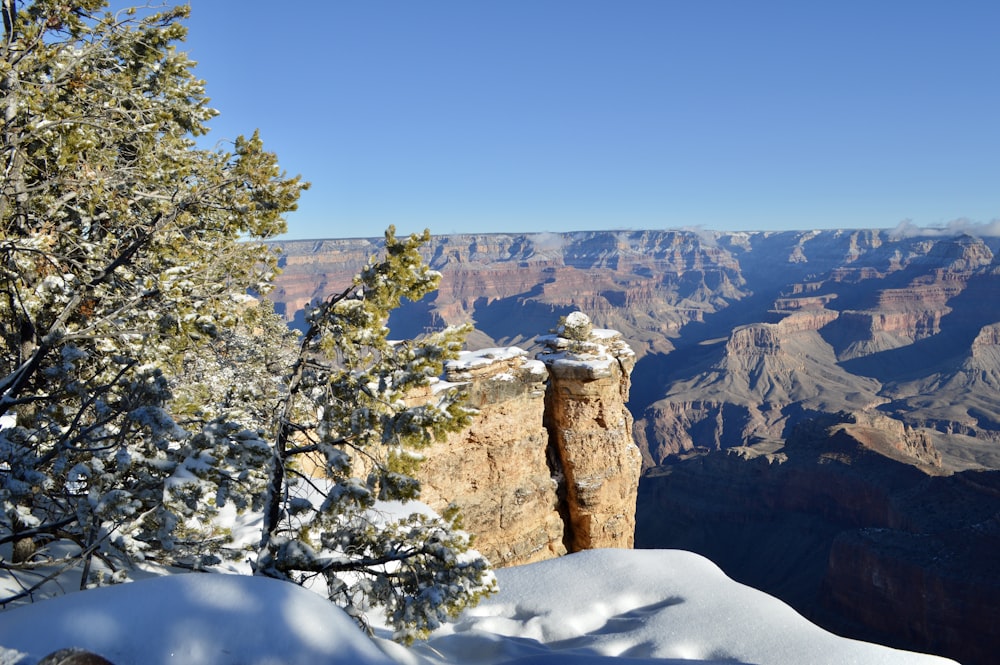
{"x": 558, "y": 115}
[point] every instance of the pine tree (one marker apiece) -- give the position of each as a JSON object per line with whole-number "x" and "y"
{"x": 120, "y": 251}
{"x": 142, "y": 390}
{"x": 374, "y": 404}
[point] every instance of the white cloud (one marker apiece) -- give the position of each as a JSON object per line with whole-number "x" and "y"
{"x": 907, "y": 229}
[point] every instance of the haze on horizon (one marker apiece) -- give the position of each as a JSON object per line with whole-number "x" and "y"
{"x": 569, "y": 115}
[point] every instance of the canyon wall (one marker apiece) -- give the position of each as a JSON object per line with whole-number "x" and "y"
{"x": 854, "y": 523}
{"x": 867, "y": 319}
{"x": 742, "y": 342}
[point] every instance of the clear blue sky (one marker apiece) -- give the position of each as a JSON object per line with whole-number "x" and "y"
{"x": 558, "y": 115}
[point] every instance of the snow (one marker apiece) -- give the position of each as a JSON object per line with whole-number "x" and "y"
{"x": 196, "y": 619}
{"x": 599, "y": 367}
{"x": 483, "y": 358}
{"x": 600, "y": 606}
{"x": 646, "y": 604}
{"x": 578, "y": 347}
{"x": 462, "y": 368}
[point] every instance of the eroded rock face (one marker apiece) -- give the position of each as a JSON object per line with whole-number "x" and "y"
{"x": 854, "y": 524}
{"x": 497, "y": 471}
{"x": 548, "y": 465}
{"x": 592, "y": 431}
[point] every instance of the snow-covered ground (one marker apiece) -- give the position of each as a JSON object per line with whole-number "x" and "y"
{"x": 589, "y": 607}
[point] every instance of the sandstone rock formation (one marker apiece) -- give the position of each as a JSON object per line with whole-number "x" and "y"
{"x": 548, "y": 465}
{"x": 497, "y": 470}
{"x": 592, "y": 431}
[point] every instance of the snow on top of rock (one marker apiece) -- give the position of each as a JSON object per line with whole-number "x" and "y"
{"x": 498, "y": 363}
{"x": 605, "y": 333}
{"x": 578, "y": 347}
{"x": 532, "y": 366}
{"x": 483, "y": 358}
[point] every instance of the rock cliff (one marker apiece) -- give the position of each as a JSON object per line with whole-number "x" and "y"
{"x": 592, "y": 431}
{"x": 497, "y": 470}
{"x": 853, "y": 523}
{"x": 548, "y": 465}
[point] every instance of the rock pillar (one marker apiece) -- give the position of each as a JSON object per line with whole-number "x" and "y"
{"x": 591, "y": 431}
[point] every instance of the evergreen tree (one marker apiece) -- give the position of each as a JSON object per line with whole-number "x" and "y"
{"x": 120, "y": 252}
{"x": 372, "y": 403}
{"x": 140, "y": 388}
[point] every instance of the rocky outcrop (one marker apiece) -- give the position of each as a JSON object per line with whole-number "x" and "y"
{"x": 592, "y": 431}
{"x": 807, "y": 318}
{"x": 548, "y": 464}
{"x": 496, "y": 470}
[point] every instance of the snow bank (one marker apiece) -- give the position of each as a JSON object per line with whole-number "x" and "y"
{"x": 663, "y": 604}
{"x": 600, "y": 606}
{"x": 194, "y": 619}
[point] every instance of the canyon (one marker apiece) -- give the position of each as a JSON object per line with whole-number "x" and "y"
{"x": 817, "y": 411}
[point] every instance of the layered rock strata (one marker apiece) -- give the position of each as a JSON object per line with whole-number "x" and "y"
{"x": 548, "y": 465}
{"x": 496, "y": 470}
{"x": 592, "y": 431}
{"x": 741, "y": 338}
{"x": 648, "y": 284}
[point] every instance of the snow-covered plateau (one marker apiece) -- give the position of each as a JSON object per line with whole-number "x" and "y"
{"x": 632, "y": 606}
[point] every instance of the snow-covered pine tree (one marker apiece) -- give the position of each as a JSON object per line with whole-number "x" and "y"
{"x": 371, "y": 404}
{"x": 123, "y": 248}
{"x": 140, "y": 389}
